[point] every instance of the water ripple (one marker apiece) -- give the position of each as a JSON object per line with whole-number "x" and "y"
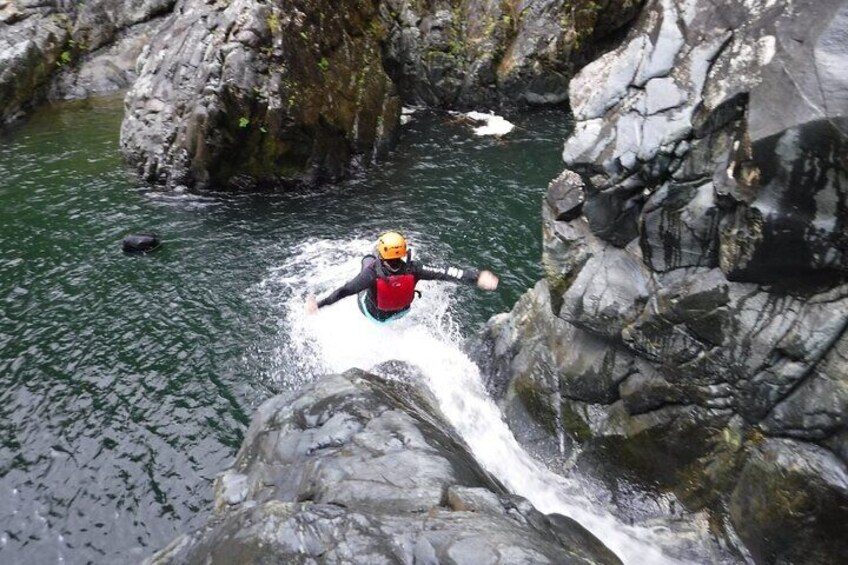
{"x": 126, "y": 382}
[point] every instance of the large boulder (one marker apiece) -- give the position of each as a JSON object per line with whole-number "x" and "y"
{"x": 696, "y": 290}
{"x": 249, "y": 93}
{"x": 245, "y": 93}
{"x": 784, "y": 491}
{"x": 358, "y": 469}
{"x": 32, "y": 41}
{"x": 488, "y": 53}
{"x": 107, "y": 38}
{"x": 58, "y": 50}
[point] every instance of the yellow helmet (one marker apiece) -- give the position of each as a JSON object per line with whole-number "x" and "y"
{"x": 391, "y": 245}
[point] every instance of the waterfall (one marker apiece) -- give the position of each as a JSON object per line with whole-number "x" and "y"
{"x": 339, "y": 337}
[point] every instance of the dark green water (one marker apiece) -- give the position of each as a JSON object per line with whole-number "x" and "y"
{"x": 127, "y": 382}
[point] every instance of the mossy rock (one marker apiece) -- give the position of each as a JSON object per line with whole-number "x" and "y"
{"x": 283, "y": 94}
{"x": 574, "y": 423}
{"x": 790, "y": 504}
{"x": 537, "y": 401}
{"x": 658, "y": 449}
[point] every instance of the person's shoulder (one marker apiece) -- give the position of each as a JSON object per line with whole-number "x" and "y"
{"x": 369, "y": 265}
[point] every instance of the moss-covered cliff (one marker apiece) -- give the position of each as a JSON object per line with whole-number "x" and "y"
{"x": 692, "y": 323}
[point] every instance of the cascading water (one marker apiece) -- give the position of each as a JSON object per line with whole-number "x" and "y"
{"x": 126, "y": 382}
{"x": 338, "y": 337}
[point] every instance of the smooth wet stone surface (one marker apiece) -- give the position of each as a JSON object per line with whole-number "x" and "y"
{"x": 357, "y": 469}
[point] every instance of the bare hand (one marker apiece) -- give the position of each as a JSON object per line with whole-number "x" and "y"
{"x": 487, "y": 280}
{"x": 311, "y": 305}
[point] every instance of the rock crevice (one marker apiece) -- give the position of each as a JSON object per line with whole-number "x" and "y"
{"x": 703, "y": 186}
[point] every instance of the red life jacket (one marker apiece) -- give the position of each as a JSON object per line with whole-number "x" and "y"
{"x": 395, "y": 292}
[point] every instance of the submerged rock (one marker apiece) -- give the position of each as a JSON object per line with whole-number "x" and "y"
{"x": 696, "y": 290}
{"x": 357, "y": 469}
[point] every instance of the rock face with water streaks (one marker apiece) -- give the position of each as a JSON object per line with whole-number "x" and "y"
{"x": 692, "y": 322}
{"x": 478, "y": 53}
{"x": 357, "y": 469}
{"x": 247, "y": 93}
{"x": 55, "y": 49}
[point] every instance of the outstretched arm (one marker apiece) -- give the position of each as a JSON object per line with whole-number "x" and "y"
{"x": 351, "y": 287}
{"x": 486, "y": 280}
{"x": 357, "y": 284}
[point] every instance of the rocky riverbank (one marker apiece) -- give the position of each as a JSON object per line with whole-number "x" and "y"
{"x": 57, "y": 49}
{"x": 692, "y": 325}
{"x": 248, "y": 94}
{"x": 354, "y": 468}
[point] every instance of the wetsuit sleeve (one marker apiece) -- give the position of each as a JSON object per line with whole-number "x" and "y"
{"x": 456, "y": 274}
{"x": 360, "y": 282}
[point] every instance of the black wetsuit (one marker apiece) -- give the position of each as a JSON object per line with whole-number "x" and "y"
{"x": 366, "y": 281}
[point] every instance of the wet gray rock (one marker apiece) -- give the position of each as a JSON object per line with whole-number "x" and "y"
{"x": 31, "y": 44}
{"x": 244, "y": 93}
{"x": 720, "y": 82}
{"x": 818, "y": 407}
{"x": 357, "y": 469}
{"x": 97, "y": 23}
{"x": 484, "y": 53}
{"x": 607, "y": 293}
{"x": 110, "y": 68}
{"x": 783, "y": 494}
{"x": 51, "y": 49}
{"x": 694, "y": 258}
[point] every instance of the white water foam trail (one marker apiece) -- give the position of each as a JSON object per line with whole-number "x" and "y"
{"x": 338, "y": 338}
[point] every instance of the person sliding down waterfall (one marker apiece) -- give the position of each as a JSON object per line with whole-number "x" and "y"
{"x": 386, "y": 285}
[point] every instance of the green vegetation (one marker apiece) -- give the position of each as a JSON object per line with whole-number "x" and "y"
{"x": 456, "y": 48}
{"x": 274, "y": 23}
{"x": 491, "y": 25}
{"x": 582, "y": 18}
{"x": 559, "y": 280}
{"x": 377, "y": 29}
{"x": 512, "y": 16}
{"x": 536, "y": 402}
{"x": 244, "y": 122}
{"x": 324, "y": 64}
{"x": 64, "y": 59}
{"x": 456, "y": 43}
{"x": 573, "y": 422}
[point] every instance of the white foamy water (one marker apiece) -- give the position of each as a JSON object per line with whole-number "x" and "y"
{"x": 491, "y": 124}
{"x": 338, "y": 338}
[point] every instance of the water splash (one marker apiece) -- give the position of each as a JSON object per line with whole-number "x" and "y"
{"x": 338, "y": 338}
{"x": 491, "y": 124}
